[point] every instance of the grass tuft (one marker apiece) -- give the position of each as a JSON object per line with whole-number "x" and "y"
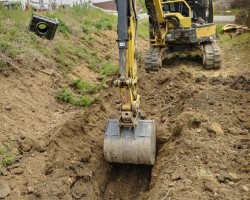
{"x": 109, "y": 69}
{"x": 67, "y": 96}
{"x": 8, "y": 153}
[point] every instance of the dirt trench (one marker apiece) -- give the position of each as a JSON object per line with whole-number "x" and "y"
{"x": 203, "y": 146}
{"x": 200, "y": 154}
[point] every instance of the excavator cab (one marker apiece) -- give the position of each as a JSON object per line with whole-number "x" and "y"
{"x": 129, "y": 139}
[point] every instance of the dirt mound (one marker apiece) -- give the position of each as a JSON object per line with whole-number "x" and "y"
{"x": 203, "y": 135}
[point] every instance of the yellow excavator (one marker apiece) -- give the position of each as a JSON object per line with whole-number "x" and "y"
{"x": 182, "y": 28}
{"x": 176, "y": 26}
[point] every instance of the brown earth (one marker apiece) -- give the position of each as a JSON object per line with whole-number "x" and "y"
{"x": 203, "y": 128}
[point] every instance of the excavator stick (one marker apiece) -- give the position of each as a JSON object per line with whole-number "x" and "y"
{"x": 129, "y": 139}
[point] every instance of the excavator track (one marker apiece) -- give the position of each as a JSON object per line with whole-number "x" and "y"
{"x": 153, "y": 59}
{"x": 211, "y": 56}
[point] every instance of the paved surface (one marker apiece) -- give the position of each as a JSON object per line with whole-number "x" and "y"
{"x": 107, "y": 5}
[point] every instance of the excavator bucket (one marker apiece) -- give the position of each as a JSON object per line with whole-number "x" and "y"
{"x": 136, "y": 145}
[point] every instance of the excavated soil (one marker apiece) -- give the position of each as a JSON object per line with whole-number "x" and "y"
{"x": 203, "y": 142}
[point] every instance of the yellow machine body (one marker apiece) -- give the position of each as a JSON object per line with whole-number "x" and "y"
{"x": 181, "y": 26}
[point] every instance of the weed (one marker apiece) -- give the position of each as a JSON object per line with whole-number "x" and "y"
{"x": 103, "y": 24}
{"x": 203, "y": 173}
{"x": 108, "y": 57}
{"x": 2, "y": 64}
{"x": 85, "y": 29}
{"x": 7, "y": 154}
{"x": 83, "y": 101}
{"x": 194, "y": 121}
{"x": 143, "y": 28}
{"x": 63, "y": 28}
{"x": 142, "y": 4}
{"x": 109, "y": 69}
{"x": 85, "y": 86}
{"x": 67, "y": 96}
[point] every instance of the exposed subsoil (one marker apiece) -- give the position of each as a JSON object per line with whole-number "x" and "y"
{"x": 203, "y": 142}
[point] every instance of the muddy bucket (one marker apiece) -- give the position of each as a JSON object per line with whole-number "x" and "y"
{"x": 136, "y": 145}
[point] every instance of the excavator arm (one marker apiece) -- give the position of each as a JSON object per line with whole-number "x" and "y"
{"x": 127, "y": 33}
{"x": 156, "y": 18}
{"x": 129, "y": 139}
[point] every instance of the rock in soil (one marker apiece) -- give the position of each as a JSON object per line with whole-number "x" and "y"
{"x": 4, "y": 189}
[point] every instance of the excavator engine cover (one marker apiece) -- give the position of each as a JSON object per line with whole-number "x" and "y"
{"x": 136, "y": 145}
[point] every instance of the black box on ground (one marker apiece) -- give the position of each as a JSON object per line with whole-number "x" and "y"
{"x": 43, "y": 26}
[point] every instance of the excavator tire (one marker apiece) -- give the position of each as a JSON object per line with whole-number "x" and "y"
{"x": 135, "y": 145}
{"x": 211, "y": 56}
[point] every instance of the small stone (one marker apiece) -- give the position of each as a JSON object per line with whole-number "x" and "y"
{"x": 4, "y": 189}
{"x": 182, "y": 152}
{"x": 233, "y": 177}
{"x": 143, "y": 114}
{"x": 31, "y": 189}
{"x": 40, "y": 146}
{"x": 210, "y": 185}
{"x": 164, "y": 118}
{"x": 25, "y": 145}
{"x": 8, "y": 107}
{"x": 198, "y": 130}
{"x": 245, "y": 188}
{"x": 18, "y": 170}
{"x": 4, "y": 172}
{"x": 175, "y": 177}
{"x": 235, "y": 131}
{"x": 14, "y": 166}
{"x": 231, "y": 183}
{"x": 222, "y": 166}
{"x": 221, "y": 178}
{"x": 215, "y": 128}
{"x": 66, "y": 197}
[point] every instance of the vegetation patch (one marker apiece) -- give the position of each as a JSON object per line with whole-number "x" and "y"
{"x": 68, "y": 96}
{"x": 8, "y": 153}
{"x": 143, "y": 28}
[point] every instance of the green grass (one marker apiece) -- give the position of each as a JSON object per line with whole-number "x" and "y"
{"x": 73, "y": 45}
{"x": 79, "y": 92}
{"x": 194, "y": 121}
{"x": 109, "y": 69}
{"x": 142, "y": 4}
{"x": 143, "y": 28}
{"x": 68, "y": 48}
{"x": 242, "y": 41}
{"x": 86, "y": 87}
{"x": 68, "y": 96}
{"x": 8, "y": 153}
